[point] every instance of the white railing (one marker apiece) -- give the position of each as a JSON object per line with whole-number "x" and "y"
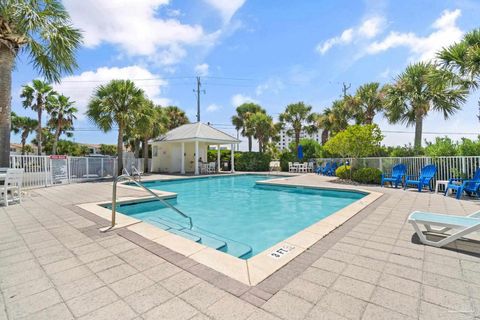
{"x": 43, "y": 171}
{"x": 447, "y": 167}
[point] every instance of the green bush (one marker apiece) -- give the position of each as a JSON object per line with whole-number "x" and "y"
{"x": 367, "y": 175}
{"x": 343, "y": 172}
{"x": 252, "y": 161}
{"x": 285, "y": 158}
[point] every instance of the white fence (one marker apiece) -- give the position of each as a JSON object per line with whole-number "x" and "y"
{"x": 44, "y": 171}
{"x": 447, "y": 167}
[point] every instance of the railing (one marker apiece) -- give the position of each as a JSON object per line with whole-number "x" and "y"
{"x": 447, "y": 167}
{"x": 130, "y": 178}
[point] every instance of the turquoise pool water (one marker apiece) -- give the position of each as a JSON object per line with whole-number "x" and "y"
{"x": 237, "y": 209}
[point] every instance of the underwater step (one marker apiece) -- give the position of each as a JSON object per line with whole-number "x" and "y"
{"x": 207, "y": 240}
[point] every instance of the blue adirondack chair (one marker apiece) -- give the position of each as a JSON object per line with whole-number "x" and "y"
{"x": 470, "y": 187}
{"x": 426, "y": 175}
{"x": 327, "y": 168}
{"x": 396, "y": 177}
{"x": 332, "y": 170}
{"x": 320, "y": 169}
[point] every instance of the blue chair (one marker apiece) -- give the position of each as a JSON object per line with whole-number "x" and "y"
{"x": 471, "y": 187}
{"x": 321, "y": 169}
{"x": 396, "y": 177}
{"x": 426, "y": 175}
{"x": 332, "y": 170}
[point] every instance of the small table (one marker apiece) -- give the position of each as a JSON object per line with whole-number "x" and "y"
{"x": 439, "y": 183}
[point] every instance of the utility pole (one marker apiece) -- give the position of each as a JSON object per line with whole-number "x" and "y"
{"x": 198, "y": 91}
{"x": 345, "y": 88}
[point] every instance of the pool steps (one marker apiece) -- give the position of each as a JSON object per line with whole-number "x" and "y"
{"x": 212, "y": 241}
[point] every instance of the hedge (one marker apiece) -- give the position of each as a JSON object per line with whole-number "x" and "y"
{"x": 343, "y": 172}
{"x": 367, "y": 175}
{"x": 252, "y": 161}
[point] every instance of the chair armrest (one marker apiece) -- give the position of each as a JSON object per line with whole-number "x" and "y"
{"x": 455, "y": 180}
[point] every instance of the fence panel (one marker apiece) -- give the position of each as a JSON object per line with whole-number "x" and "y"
{"x": 37, "y": 170}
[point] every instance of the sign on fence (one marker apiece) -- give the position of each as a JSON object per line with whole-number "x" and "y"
{"x": 59, "y": 164}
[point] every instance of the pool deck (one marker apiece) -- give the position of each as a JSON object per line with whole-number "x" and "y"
{"x": 55, "y": 264}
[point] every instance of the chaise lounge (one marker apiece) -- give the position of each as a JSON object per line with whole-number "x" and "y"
{"x": 462, "y": 224}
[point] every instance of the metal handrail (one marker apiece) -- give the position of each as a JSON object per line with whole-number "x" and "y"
{"x": 130, "y": 178}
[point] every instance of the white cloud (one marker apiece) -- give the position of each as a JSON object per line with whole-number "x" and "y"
{"x": 81, "y": 87}
{"x": 445, "y": 33}
{"x": 239, "y": 99}
{"x": 213, "y": 107}
{"x": 368, "y": 29}
{"x": 226, "y": 8}
{"x": 201, "y": 69}
{"x": 133, "y": 26}
{"x": 274, "y": 85}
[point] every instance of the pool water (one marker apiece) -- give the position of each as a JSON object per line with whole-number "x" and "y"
{"x": 237, "y": 209}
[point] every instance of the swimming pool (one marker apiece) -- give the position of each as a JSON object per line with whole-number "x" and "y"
{"x": 236, "y": 215}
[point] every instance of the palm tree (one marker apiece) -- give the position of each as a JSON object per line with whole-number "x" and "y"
{"x": 422, "y": 87}
{"x": 299, "y": 117}
{"x": 240, "y": 120}
{"x": 43, "y": 31}
{"x": 176, "y": 117}
{"x": 263, "y": 128}
{"x": 150, "y": 123}
{"x": 324, "y": 121}
{"x": 24, "y": 126}
{"x": 366, "y": 103}
{"x": 37, "y": 97}
{"x": 62, "y": 114}
{"x": 463, "y": 57}
{"x": 116, "y": 103}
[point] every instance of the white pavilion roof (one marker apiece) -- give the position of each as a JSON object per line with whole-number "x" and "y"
{"x": 197, "y": 132}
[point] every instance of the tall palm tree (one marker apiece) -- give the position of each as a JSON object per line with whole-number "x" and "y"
{"x": 239, "y": 120}
{"x": 116, "y": 103}
{"x": 262, "y": 127}
{"x": 421, "y": 88}
{"x": 324, "y": 121}
{"x": 151, "y": 122}
{"x": 366, "y": 103}
{"x": 176, "y": 117}
{"x": 37, "y": 97}
{"x": 41, "y": 29}
{"x": 62, "y": 113}
{"x": 25, "y": 126}
{"x": 298, "y": 116}
{"x": 463, "y": 58}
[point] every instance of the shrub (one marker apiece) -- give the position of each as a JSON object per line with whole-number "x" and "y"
{"x": 343, "y": 172}
{"x": 285, "y": 158}
{"x": 367, "y": 175}
{"x": 252, "y": 161}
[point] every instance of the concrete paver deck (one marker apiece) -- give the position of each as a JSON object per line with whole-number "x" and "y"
{"x": 54, "y": 264}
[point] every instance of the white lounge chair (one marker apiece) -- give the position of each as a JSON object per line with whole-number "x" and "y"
{"x": 12, "y": 189}
{"x": 462, "y": 224}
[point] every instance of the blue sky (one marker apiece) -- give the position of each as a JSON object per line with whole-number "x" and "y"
{"x": 273, "y": 52}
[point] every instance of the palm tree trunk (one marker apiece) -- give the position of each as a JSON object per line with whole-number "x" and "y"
{"x": 6, "y": 65}
{"x": 39, "y": 130}
{"x": 249, "y": 143}
{"x": 418, "y": 130}
{"x": 120, "y": 150}
{"x": 145, "y": 154}
{"x": 297, "y": 142}
{"x": 324, "y": 136}
{"x": 260, "y": 145}
{"x": 24, "y": 140}
{"x": 55, "y": 140}
{"x": 136, "y": 148}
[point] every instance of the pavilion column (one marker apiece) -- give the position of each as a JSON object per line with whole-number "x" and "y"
{"x": 182, "y": 163}
{"x": 218, "y": 158}
{"x": 196, "y": 158}
{"x": 232, "y": 158}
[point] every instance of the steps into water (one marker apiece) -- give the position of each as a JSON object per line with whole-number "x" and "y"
{"x": 204, "y": 237}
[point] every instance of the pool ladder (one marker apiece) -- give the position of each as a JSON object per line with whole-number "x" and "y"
{"x": 131, "y": 179}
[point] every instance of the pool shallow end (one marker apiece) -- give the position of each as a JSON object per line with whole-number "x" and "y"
{"x": 257, "y": 268}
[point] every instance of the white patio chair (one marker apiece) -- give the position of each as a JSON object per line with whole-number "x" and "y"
{"x": 310, "y": 167}
{"x": 302, "y": 167}
{"x": 211, "y": 167}
{"x": 290, "y": 167}
{"x": 11, "y": 191}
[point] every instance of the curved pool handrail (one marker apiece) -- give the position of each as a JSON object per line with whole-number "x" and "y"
{"x": 131, "y": 179}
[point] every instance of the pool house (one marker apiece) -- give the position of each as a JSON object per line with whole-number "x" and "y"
{"x": 184, "y": 149}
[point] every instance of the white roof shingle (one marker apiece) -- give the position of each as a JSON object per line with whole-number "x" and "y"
{"x": 197, "y": 132}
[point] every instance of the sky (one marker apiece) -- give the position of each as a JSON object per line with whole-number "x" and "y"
{"x": 272, "y": 52}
